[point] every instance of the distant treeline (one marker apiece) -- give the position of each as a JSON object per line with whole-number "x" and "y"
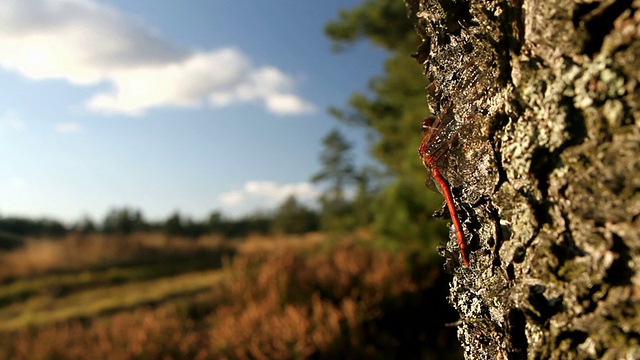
{"x": 290, "y": 217}
{"x": 14, "y": 227}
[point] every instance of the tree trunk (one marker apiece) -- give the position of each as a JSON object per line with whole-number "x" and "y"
{"x": 547, "y": 100}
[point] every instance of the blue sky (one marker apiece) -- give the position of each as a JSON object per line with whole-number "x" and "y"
{"x": 193, "y": 105}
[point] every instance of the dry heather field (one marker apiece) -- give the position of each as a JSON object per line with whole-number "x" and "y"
{"x": 146, "y": 296}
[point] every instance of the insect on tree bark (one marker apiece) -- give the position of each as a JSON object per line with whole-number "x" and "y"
{"x": 552, "y": 215}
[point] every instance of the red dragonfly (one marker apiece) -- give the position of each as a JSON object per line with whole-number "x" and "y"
{"x": 442, "y": 130}
{"x": 438, "y": 134}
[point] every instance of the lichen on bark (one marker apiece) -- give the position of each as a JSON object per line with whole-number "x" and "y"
{"x": 553, "y": 218}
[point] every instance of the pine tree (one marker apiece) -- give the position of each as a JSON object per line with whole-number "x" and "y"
{"x": 294, "y": 218}
{"x": 338, "y": 171}
{"x": 392, "y": 111}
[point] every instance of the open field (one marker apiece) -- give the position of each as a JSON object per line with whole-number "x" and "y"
{"x": 283, "y": 297}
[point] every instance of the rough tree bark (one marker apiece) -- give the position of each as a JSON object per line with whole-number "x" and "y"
{"x": 547, "y": 96}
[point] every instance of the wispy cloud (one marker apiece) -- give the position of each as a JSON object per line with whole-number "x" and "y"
{"x": 268, "y": 193}
{"x": 68, "y": 127}
{"x": 85, "y": 43}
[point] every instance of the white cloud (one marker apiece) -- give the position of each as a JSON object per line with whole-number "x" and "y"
{"x": 268, "y": 193}
{"x": 68, "y": 127}
{"x": 232, "y": 198}
{"x": 87, "y": 43}
{"x": 285, "y": 104}
{"x": 268, "y": 84}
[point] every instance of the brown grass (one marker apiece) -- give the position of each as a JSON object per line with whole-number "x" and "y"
{"x": 80, "y": 252}
{"x": 288, "y": 298}
{"x": 260, "y": 244}
{"x": 297, "y": 306}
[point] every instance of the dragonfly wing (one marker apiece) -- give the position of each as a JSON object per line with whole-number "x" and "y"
{"x": 470, "y": 163}
{"x": 432, "y": 184}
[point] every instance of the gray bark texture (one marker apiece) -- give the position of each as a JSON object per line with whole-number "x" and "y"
{"x": 546, "y": 99}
